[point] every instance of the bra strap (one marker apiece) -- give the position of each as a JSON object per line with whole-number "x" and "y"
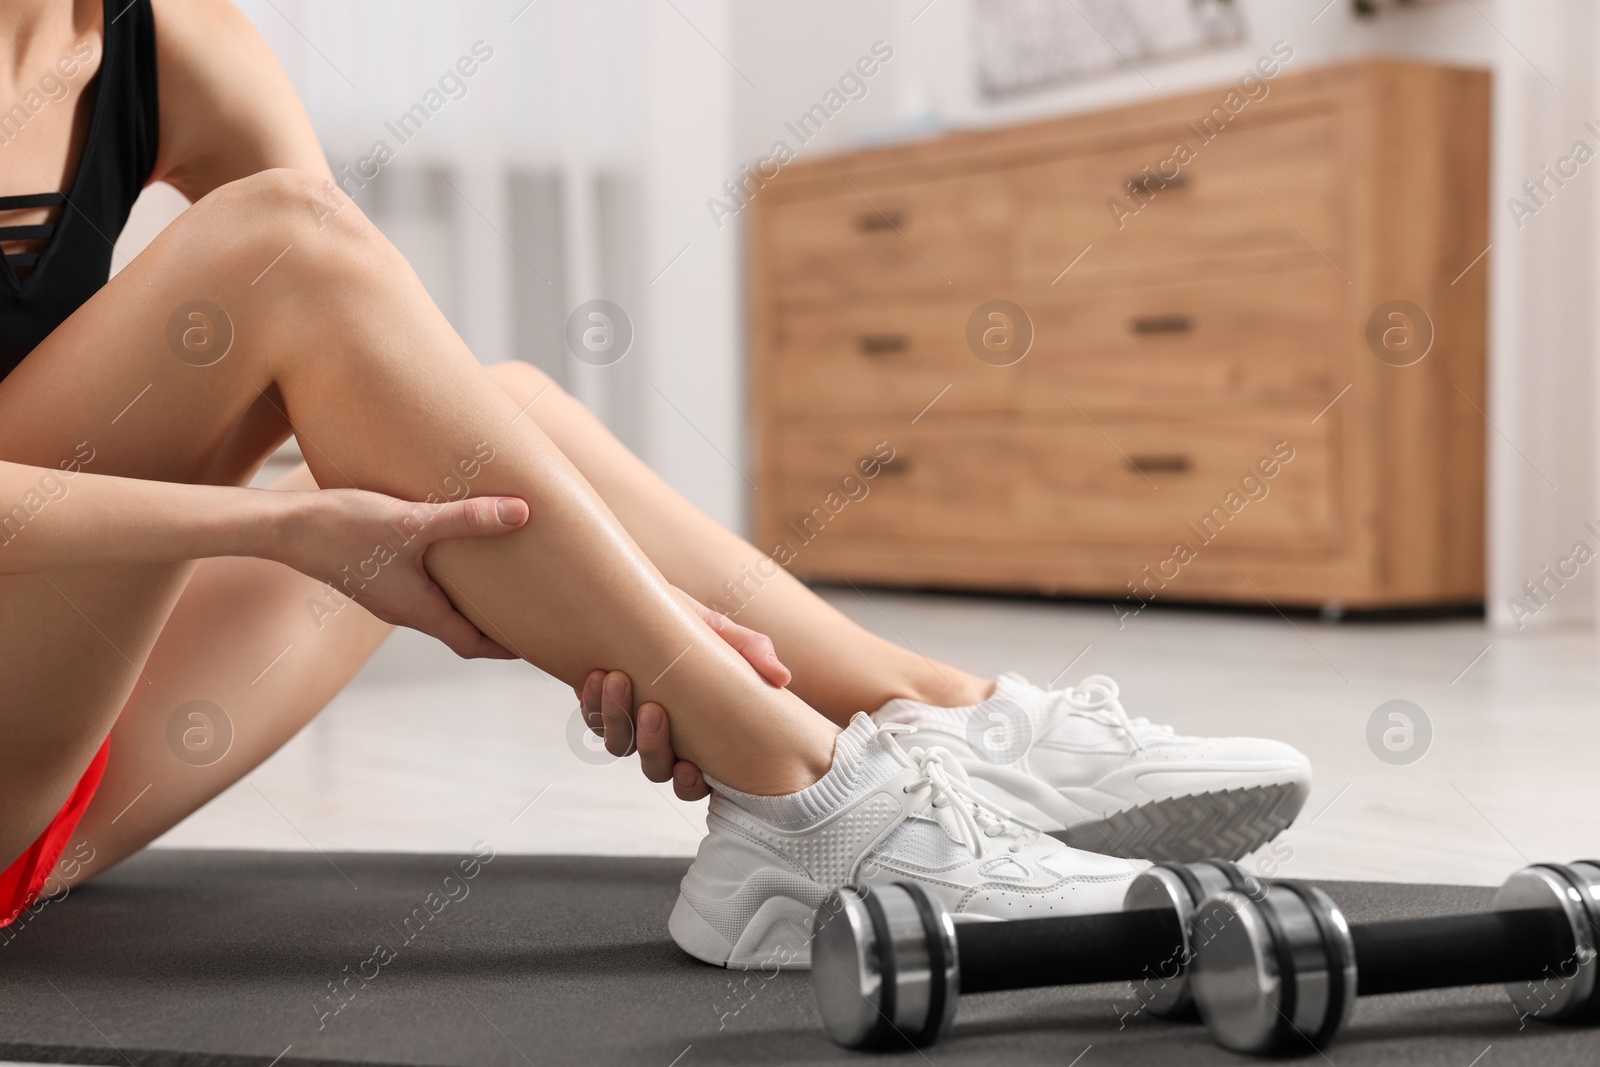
{"x": 27, "y": 200}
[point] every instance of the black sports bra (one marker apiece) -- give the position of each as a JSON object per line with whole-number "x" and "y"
{"x": 39, "y": 290}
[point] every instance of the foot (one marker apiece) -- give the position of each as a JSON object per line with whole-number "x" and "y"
{"x": 1073, "y": 762}
{"x": 884, "y": 813}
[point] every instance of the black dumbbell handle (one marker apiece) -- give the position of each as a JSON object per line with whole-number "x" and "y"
{"x": 1064, "y": 950}
{"x": 1402, "y": 955}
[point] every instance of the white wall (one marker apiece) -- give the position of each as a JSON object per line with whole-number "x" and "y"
{"x": 1543, "y": 387}
{"x": 697, "y": 423}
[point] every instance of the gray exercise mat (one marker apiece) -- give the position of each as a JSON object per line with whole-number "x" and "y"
{"x": 206, "y": 959}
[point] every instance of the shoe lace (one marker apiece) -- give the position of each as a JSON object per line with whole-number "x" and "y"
{"x": 940, "y": 772}
{"x": 1097, "y": 697}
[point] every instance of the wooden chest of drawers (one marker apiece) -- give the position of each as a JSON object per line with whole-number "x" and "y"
{"x": 1256, "y": 366}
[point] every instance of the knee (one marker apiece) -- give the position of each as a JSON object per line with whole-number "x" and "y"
{"x": 283, "y": 211}
{"x": 285, "y": 202}
{"x": 267, "y": 250}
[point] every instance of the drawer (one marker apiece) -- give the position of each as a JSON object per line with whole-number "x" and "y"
{"x": 892, "y": 238}
{"x": 1267, "y": 338}
{"x": 889, "y": 355}
{"x": 1269, "y": 188}
{"x": 987, "y": 481}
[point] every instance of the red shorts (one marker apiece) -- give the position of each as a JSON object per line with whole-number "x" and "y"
{"x": 23, "y": 881}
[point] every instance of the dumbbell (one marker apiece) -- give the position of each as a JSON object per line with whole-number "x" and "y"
{"x": 889, "y": 964}
{"x": 1280, "y": 973}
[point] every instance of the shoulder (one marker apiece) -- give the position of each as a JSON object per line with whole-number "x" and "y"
{"x": 227, "y": 107}
{"x": 202, "y": 15}
{"x": 199, "y": 42}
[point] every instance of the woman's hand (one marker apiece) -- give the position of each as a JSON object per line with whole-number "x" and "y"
{"x": 607, "y": 698}
{"x": 369, "y": 547}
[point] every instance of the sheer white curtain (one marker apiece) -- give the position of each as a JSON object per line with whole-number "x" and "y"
{"x": 572, "y": 164}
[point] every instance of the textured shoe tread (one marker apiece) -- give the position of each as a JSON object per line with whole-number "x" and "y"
{"x": 1227, "y": 824}
{"x": 778, "y": 937}
{"x": 783, "y": 942}
{"x": 729, "y": 914}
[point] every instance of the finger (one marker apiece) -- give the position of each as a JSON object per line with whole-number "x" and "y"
{"x": 688, "y": 783}
{"x": 655, "y": 743}
{"x": 441, "y": 620}
{"x": 616, "y": 711}
{"x": 480, "y": 516}
{"x": 477, "y": 645}
{"x": 590, "y": 696}
{"x": 759, "y": 652}
{"x": 756, "y": 648}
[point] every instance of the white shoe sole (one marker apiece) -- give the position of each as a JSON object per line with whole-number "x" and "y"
{"x": 778, "y": 937}
{"x": 1227, "y": 824}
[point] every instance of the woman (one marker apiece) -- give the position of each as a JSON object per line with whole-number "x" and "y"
{"x": 137, "y": 574}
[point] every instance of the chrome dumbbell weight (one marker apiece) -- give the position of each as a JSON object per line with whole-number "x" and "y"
{"x": 1280, "y": 973}
{"x": 889, "y": 964}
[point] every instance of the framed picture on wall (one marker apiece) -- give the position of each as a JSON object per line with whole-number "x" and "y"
{"x": 1023, "y": 45}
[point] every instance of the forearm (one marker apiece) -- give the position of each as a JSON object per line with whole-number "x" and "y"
{"x": 55, "y": 519}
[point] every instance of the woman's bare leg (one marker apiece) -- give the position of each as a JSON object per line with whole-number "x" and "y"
{"x": 839, "y": 668}
{"x": 335, "y": 338}
{"x": 244, "y": 634}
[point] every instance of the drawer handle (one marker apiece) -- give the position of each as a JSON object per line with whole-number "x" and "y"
{"x": 881, "y": 344}
{"x": 1161, "y": 324}
{"x": 1157, "y": 182}
{"x": 899, "y": 465}
{"x": 875, "y": 221}
{"x": 1176, "y": 463}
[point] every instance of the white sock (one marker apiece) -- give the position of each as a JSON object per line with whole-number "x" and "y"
{"x": 859, "y": 763}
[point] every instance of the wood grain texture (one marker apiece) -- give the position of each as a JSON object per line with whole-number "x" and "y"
{"x": 1199, "y": 294}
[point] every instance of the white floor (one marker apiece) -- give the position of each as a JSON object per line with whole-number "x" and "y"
{"x": 429, "y": 753}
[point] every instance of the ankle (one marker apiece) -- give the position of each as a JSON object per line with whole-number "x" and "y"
{"x": 858, "y": 760}
{"x": 948, "y": 688}
{"x": 789, "y": 776}
{"x": 786, "y": 763}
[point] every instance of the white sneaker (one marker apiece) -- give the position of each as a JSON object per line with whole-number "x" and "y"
{"x": 882, "y": 814}
{"x": 1072, "y": 762}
